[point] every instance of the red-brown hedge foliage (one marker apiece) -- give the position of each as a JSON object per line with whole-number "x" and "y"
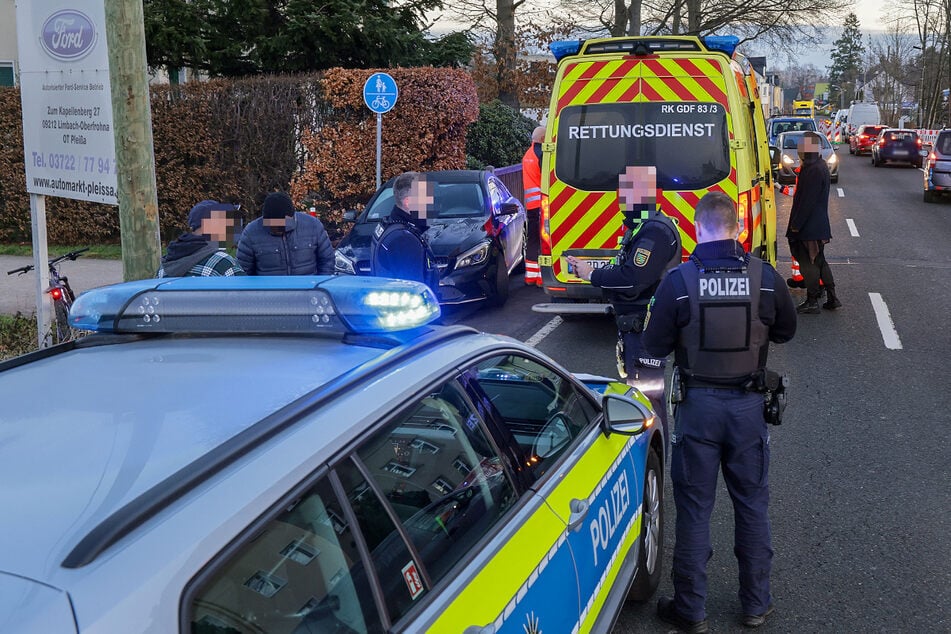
{"x": 237, "y": 140}
{"x": 426, "y": 130}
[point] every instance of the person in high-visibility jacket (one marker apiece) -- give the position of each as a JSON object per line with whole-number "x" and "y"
{"x": 532, "y": 183}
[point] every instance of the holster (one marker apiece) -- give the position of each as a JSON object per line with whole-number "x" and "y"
{"x": 773, "y": 387}
{"x": 632, "y": 322}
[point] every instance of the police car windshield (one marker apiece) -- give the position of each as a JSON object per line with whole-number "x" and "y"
{"x": 450, "y": 201}
{"x": 686, "y": 141}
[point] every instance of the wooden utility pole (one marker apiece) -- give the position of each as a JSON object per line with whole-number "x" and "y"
{"x": 135, "y": 159}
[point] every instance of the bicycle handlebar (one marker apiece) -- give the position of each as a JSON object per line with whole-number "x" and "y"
{"x": 72, "y": 255}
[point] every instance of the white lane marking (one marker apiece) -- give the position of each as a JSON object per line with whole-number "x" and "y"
{"x": 841, "y": 192}
{"x": 885, "y": 323}
{"x": 546, "y": 330}
{"x": 852, "y": 228}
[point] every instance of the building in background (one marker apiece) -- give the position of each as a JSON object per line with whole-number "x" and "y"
{"x": 8, "y": 43}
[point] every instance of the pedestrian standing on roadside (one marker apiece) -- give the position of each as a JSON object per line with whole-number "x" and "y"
{"x": 284, "y": 241}
{"x": 718, "y": 312}
{"x": 532, "y": 184}
{"x": 200, "y": 252}
{"x": 809, "y": 230}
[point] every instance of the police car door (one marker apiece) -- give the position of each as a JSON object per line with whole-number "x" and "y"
{"x": 589, "y": 481}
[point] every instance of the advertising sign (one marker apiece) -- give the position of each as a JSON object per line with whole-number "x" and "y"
{"x": 68, "y": 142}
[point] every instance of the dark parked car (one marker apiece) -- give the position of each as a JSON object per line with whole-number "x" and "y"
{"x": 476, "y": 231}
{"x": 864, "y": 138}
{"x": 894, "y": 144}
{"x": 938, "y": 170}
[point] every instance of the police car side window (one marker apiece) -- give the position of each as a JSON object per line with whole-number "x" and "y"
{"x": 300, "y": 573}
{"x": 543, "y": 411}
{"x": 444, "y": 482}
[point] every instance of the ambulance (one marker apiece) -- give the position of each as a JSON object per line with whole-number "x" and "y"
{"x": 688, "y": 106}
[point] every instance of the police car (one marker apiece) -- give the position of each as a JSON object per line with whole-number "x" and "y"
{"x": 308, "y": 454}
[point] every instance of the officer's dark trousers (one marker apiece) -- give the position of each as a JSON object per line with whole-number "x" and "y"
{"x": 646, "y": 373}
{"x": 714, "y": 430}
{"x": 812, "y": 268}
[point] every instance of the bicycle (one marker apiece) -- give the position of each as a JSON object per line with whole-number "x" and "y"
{"x": 61, "y": 294}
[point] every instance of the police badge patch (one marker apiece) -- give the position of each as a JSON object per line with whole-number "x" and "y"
{"x": 641, "y": 256}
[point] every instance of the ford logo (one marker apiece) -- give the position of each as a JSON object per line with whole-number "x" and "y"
{"x": 68, "y": 35}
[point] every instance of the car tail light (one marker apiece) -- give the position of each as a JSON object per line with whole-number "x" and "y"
{"x": 932, "y": 159}
{"x": 918, "y": 142}
{"x": 743, "y": 216}
{"x": 545, "y": 226}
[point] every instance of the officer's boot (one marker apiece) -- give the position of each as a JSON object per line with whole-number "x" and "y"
{"x": 832, "y": 302}
{"x": 809, "y": 307}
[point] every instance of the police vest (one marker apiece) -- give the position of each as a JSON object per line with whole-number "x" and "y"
{"x": 725, "y": 341}
{"x": 628, "y": 252}
{"x": 391, "y": 266}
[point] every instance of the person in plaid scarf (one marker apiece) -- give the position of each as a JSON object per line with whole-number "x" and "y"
{"x": 200, "y": 251}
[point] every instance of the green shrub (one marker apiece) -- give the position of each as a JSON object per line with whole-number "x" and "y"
{"x": 17, "y": 335}
{"x": 499, "y": 137}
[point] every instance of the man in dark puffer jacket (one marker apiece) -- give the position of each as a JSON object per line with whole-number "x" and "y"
{"x": 284, "y": 241}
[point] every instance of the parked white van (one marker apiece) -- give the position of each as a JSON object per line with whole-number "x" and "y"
{"x": 862, "y": 113}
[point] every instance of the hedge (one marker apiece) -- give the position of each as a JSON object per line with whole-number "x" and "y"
{"x": 238, "y": 140}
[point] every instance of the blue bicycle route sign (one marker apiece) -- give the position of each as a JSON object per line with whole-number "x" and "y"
{"x": 380, "y": 93}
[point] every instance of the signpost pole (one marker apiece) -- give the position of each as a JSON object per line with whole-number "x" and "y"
{"x": 44, "y": 321}
{"x": 135, "y": 159}
{"x": 379, "y": 146}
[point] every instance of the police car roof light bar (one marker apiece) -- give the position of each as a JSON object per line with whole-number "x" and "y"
{"x": 325, "y": 305}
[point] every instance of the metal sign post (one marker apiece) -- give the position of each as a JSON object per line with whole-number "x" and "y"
{"x": 380, "y": 94}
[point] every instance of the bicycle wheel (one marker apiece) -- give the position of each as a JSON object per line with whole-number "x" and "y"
{"x": 62, "y": 329}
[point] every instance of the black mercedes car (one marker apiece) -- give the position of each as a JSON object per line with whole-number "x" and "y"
{"x": 476, "y": 231}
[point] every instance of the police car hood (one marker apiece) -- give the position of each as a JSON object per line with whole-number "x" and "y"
{"x": 30, "y": 607}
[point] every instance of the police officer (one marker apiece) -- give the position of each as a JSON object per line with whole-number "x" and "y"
{"x": 651, "y": 246}
{"x": 398, "y": 246}
{"x": 718, "y": 312}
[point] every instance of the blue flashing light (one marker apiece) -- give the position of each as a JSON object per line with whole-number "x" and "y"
{"x": 268, "y": 304}
{"x": 725, "y": 43}
{"x": 564, "y": 48}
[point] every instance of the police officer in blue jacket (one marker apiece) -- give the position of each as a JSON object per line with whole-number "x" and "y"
{"x": 718, "y": 312}
{"x": 398, "y": 246}
{"x": 650, "y": 246}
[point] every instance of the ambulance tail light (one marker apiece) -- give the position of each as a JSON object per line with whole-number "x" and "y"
{"x": 743, "y": 216}
{"x": 545, "y": 226}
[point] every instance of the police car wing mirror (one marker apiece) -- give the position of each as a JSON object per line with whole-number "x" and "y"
{"x": 623, "y": 415}
{"x": 508, "y": 209}
{"x": 350, "y": 216}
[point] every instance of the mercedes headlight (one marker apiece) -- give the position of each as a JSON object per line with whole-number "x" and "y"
{"x": 832, "y": 160}
{"x": 475, "y": 255}
{"x": 788, "y": 160}
{"x": 343, "y": 264}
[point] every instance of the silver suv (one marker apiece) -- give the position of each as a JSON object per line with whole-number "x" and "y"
{"x": 937, "y": 168}
{"x": 307, "y": 454}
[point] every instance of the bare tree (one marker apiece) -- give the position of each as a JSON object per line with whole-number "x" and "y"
{"x": 781, "y": 22}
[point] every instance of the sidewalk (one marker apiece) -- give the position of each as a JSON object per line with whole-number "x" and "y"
{"x": 18, "y": 292}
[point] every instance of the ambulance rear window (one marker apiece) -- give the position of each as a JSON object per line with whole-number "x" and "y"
{"x": 686, "y": 141}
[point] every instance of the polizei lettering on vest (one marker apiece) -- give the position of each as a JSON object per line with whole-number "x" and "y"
{"x": 609, "y": 516}
{"x": 724, "y": 287}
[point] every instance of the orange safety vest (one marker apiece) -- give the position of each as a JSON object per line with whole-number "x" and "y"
{"x": 532, "y": 179}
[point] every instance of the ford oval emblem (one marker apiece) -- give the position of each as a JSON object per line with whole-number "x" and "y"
{"x": 68, "y": 35}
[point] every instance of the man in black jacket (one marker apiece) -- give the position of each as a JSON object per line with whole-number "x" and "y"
{"x": 808, "y": 230}
{"x": 284, "y": 241}
{"x": 398, "y": 246}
